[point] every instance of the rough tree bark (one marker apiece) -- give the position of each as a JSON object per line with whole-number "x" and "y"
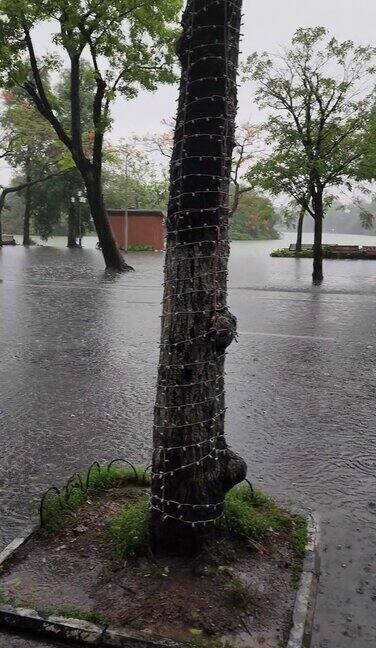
{"x": 90, "y": 171}
{"x": 299, "y": 230}
{"x": 28, "y": 193}
{"x": 72, "y": 226}
{"x": 193, "y": 467}
{"x": 2, "y": 204}
{"x": 113, "y": 257}
{"x": 317, "y": 274}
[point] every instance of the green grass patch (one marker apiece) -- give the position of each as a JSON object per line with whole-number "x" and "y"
{"x": 77, "y": 613}
{"x": 59, "y": 510}
{"x": 238, "y": 594}
{"x": 300, "y": 539}
{"x": 326, "y": 254}
{"x": 252, "y": 516}
{"x": 129, "y": 530}
{"x": 139, "y": 247}
{"x": 66, "y": 612}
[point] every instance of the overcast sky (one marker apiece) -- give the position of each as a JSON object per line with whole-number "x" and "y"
{"x": 268, "y": 25}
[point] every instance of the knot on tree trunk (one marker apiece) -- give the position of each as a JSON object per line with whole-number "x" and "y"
{"x": 223, "y": 329}
{"x": 234, "y": 470}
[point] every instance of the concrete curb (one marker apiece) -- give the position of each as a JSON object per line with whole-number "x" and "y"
{"x": 89, "y": 634}
{"x": 304, "y": 607}
{"x": 76, "y": 631}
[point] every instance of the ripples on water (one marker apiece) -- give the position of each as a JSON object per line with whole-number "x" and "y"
{"x": 77, "y": 376}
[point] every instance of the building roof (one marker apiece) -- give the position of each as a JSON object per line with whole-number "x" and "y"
{"x": 137, "y": 212}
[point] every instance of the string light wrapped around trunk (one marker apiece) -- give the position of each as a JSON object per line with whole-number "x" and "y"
{"x": 192, "y": 464}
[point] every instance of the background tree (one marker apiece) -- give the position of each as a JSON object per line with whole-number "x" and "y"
{"x": 192, "y": 464}
{"x": 319, "y": 98}
{"x": 133, "y": 178}
{"x": 255, "y": 218}
{"x": 33, "y": 147}
{"x": 281, "y": 173}
{"x": 246, "y": 136}
{"x": 244, "y": 153}
{"x": 130, "y": 45}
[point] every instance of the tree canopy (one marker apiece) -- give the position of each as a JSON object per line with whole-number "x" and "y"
{"x": 319, "y": 97}
{"x": 129, "y": 46}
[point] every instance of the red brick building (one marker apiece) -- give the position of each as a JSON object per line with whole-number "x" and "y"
{"x": 138, "y": 227}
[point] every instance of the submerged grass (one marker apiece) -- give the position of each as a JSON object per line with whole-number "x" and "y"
{"x": 59, "y": 510}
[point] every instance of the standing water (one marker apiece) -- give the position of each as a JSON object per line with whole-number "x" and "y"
{"x": 79, "y": 352}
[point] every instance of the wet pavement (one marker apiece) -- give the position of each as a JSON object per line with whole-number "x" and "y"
{"x": 77, "y": 375}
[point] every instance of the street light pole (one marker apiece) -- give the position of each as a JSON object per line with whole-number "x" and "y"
{"x": 126, "y": 204}
{"x": 80, "y": 200}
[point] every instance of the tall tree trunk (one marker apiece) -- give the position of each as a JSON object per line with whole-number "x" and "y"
{"x": 192, "y": 465}
{"x": 2, "y": 203}
{"x": 28, "y": 194}
{"x": 113, "y": 258}
{"x": 72, "y": 226}
{"x": 299, "y": 231}
{"x": 317, "y": 274}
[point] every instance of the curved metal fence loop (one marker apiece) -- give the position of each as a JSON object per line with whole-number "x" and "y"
{"x": 73, "y": 482}
{"x": 125, "y": 462}
{"x": 145, "y": 472}
{"x": 251, "y": 488}
{"x": 96, "y": 465}
{"x": 54, "y": 489}
{"x": 76, "y": 481}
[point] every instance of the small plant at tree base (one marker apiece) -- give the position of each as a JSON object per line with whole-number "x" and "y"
{"x": 239, "y": 594}
{"x": 130, "y": 529}
{"x": 251, "y": 515}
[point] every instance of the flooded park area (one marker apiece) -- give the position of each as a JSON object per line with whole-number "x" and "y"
{"x": 79, "y": 352}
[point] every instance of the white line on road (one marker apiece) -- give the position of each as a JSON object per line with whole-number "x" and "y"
{"x": 283, "y": 335}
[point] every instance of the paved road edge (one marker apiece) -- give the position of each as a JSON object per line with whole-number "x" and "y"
{"x": 305, "y": 601}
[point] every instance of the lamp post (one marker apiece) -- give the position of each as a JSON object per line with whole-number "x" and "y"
{"x": 80, "y": 200}
{"x": 72, "y": 229}
{"x": 126, "y": 234}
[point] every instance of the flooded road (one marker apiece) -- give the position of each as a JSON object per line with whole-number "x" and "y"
{"x": 77, "y": 375}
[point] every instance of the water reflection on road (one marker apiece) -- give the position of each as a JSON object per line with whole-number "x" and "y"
{"x": 77, "y": 374}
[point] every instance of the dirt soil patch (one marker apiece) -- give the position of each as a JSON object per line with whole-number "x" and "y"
{"x": 241, "y": 591}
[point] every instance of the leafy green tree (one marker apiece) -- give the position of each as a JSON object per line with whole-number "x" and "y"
{"x": 255, "y": 218}
{"x": 34, "y": 149}
{"x": 130, "y": 46}
{"x": 133, "y": 179}
{"x": 246, "y": 136}
{"x": 319, "y": 93}
{"x": 367, "y": 163}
